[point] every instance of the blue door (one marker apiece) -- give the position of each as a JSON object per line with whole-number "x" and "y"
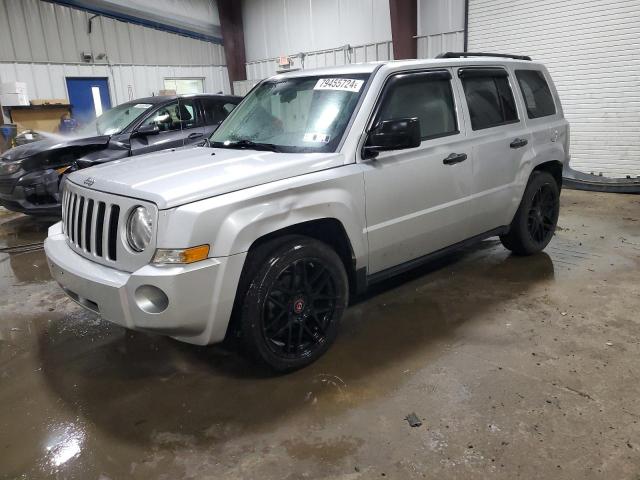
{"x": 89, "y": 98}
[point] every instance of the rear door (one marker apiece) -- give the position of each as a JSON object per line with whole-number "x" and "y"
{"x": 418, "y": 200}
{"x": 500, "y": 143}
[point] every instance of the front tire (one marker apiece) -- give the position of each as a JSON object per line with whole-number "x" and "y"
{"x": 535, "y": 221}
{"x": 293, "y": 303}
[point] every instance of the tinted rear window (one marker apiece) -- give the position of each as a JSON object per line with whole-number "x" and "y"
{"x": 489, "y": 97}
{"x": 536, "y": 93}
{"x": 216, "y": 110}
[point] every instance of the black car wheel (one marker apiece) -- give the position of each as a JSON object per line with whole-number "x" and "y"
{"x": 293, "y": 303}
{"x": 535, "y": 221}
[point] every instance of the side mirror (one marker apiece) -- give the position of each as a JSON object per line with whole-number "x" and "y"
{"x": 396, "y": 134}
{"x": 145, "y": 130}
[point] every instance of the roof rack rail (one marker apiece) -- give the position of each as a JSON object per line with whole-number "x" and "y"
{"x": 479, "y": 54}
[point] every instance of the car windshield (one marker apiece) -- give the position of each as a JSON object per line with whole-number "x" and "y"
{"x": 116, "y": 120}
{"x": 307, "y": 114}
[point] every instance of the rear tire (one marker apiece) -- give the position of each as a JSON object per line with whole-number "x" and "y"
{"x": 295, "y": 294}
{"x": 535, "y": 221}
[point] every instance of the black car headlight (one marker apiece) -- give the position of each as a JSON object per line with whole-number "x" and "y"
{"x": 9, "y": 168}
{"x": 139, "y": 228}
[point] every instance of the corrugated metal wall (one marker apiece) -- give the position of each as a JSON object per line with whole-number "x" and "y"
{"x": 37, "y": 31}
{"x": 591, "y": 50}
{"x": 321, "y": 30}
{"x": 41, "y": 43}
{"x": 267, "y": 67}
{"x": 440, "y": 27}
{"x": 285, "y": 27}
{"x": 193, "y": 18}
{"x": 47, "y": 80}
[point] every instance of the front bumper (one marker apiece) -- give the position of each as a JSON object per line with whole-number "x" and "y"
{"x": 34, "y": 193}
{"x": 200, "y": 295}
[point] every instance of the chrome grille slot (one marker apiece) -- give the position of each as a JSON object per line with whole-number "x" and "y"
{"x": 93, "y": 221}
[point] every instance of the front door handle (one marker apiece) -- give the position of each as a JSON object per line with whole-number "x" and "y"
{"x": 194, "y": 135}
{"x": 455, "y": 158}
{"x": 519, "y": 143}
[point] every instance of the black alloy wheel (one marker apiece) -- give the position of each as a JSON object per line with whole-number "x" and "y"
{"x": 542, "y": 215}
{"x": 535, "y": 220}
{"x": 293, "y": 294}
{"x": 299, "y": 309}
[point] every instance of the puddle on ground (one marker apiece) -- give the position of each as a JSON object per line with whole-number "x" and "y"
{"x": 78, "y": 392}
{"x": 19, "y": 266}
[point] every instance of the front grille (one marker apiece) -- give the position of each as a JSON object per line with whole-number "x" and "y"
{"x": 91, "y": 225}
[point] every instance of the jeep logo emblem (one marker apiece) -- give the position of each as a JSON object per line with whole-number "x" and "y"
{"x": 89, "y": 181}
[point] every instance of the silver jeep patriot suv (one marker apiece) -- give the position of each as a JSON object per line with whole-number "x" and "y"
{"x": 319, "y": 183}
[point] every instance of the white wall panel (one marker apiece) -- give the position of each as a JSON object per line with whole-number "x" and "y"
{"x": 38, "y": 31}
{"x": 440, "y": 16}
{"x": 591, "y": 50}
{"x": 380, "y": 51}
{"x": 285, "y": 27}
{"x": 430, "y": 46}
{"x": 41, "y": 44}
{"x": 47, "y": 80}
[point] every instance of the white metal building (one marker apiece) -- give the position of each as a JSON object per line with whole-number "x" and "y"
{"x": 360, "y": 31}
{"x": 42, "y": 43}
{"x": 591, "y": 50}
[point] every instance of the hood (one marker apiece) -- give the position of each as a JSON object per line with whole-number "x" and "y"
{"x": 174, "y": 177}
{"x": 46, "y": 145}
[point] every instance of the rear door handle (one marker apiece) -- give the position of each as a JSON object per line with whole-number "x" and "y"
{"x": 519, "y": 143}
{"x": 455, "y": 158}
{"x": 194, "y": 135}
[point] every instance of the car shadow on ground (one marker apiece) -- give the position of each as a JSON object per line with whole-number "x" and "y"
{"x": 134, "y": 385}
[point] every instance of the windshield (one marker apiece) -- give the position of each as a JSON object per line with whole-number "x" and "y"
{"x": 115, "y": 120}
{"x": 307, "y": 114}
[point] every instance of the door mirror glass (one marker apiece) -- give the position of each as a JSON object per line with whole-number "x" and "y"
{"x": 396, "y": 134}
{"x": 148, "y": 129}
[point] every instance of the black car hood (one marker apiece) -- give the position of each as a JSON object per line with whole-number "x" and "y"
{"x": 48, "y": 145}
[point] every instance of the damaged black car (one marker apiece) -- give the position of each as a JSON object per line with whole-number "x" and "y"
{"x": 30, "y": 174}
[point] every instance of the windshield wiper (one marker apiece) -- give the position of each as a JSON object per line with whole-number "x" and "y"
{"x": 248, "y": 144}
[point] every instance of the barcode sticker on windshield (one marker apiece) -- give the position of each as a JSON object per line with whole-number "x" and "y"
{"x": 346, "y": 84}
{"x": 316, "y": 137}
{"x": 142, "y": 105}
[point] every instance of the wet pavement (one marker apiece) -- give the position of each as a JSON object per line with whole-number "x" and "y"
{"x": 517, "y": 367}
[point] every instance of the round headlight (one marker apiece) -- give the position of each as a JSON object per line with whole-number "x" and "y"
{"x": 139, "y": 229}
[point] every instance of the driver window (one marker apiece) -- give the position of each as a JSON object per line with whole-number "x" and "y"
{"x": 175, "y": 116}
{"x": 425, "y": 96}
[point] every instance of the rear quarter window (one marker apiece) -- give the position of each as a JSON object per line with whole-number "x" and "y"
{"x": 536, "y": 93}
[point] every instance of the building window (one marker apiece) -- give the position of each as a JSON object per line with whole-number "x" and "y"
{"x": 183, "y": 86}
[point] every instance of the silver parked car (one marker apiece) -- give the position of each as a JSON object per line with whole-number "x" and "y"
{"x": 318, "y": 184}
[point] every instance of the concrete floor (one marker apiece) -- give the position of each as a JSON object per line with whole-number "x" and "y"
{"x": 518, "y": 367}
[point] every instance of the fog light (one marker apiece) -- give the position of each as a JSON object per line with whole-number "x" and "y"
{"x": 151, "y": 299}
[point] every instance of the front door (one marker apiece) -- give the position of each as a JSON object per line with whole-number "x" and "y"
{"x": 89, "y": 98}
{"x": 179, "y": 123}
{"x": 418, "y": 200}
